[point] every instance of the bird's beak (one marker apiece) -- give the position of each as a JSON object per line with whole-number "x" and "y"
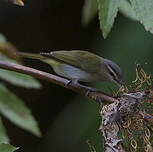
{"x": 120, "y": 83}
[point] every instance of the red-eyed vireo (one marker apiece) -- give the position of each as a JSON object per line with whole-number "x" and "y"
{"x": 80, "y": 65}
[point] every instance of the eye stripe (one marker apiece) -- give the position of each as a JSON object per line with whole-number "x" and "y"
{"x": 116, "y": 69}
{"x": 112, "y": 72}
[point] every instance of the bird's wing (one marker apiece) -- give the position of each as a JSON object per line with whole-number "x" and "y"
{"x": 81, "y": 59}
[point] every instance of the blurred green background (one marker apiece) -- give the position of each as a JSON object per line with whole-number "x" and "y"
{"x": 66, "y": 119}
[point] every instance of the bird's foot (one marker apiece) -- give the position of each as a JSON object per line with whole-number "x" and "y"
{"x": 72, "y": 81}
{"x": 89, "y": 90}
{"x": 75, "y": 82}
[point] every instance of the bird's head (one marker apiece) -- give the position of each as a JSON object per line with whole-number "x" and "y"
{"x": 114, "y": 72}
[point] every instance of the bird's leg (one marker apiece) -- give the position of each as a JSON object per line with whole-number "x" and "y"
{"x": 75, "y": 82}
{"x": 90, "y": 89}
{"x": 72, "y": 81}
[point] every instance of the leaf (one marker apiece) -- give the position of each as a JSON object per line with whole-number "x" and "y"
{"x": 16, "y": 78}
{"x": 17, "y": 2}
{"x": 107, "y": 12}
{"x": 16, "y": 111}
{"x": 89, "y": 11}
{"x": 7, "y": 148}
{"x": 127, "y": 10}
{"x": 3, "y": 136}
{"x": 8, "y": 49}
{"x": 8, "y": 53}
{"x": 19, "y": 79}
{"x": 144, "y": 11}
{"x": 2, "y": 39}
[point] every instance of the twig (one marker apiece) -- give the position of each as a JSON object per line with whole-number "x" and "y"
{"x": 86, "y": 91}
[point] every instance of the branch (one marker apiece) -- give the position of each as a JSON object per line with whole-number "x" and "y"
{"x": 81, "y": 89}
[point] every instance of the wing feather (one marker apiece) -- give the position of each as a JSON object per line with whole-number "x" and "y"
{"x": 81, "y": 59}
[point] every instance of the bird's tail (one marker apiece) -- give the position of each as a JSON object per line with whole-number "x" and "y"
{"x": 40, "y": 57}
{"x": 30, "y": 55}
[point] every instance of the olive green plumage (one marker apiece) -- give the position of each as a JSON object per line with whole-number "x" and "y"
{"x": 80, "y": 65}
{"x": 80, "y": 59}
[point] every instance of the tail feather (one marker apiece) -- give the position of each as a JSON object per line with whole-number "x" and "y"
{"x": 40, "y": 57}
{"x": 30, "y": 55}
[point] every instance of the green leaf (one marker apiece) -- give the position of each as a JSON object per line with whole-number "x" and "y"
{"x": 19, "y": 79}
{"x": 126, "y": 9}
{"x": 89, "y": 11}
{"x": 3, "y": 136}
{"x": 8, "y": 53}
{"x": 16, "y": 78}
{"x": 107, "y": 12}
{"x": 144, "y": 11}
{"x": 2, "y": 39}
{"x": 7, "y": 148}
{"x": 16, "y": 111}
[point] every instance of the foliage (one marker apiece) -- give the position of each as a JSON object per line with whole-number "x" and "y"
{"x": 11, "y": 106}
{"x": 107, "y": 12}
{"x": 137, "y": 10}
{"x": 7, "y": 148}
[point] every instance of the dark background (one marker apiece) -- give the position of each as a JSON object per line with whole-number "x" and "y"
{"x": 66, "y": 119}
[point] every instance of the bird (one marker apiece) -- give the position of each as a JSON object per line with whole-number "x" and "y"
{"x": 80, "y": 66}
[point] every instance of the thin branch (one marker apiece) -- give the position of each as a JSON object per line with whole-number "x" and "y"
{"x": 83, "y": 90}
